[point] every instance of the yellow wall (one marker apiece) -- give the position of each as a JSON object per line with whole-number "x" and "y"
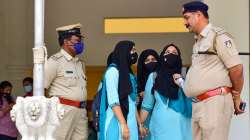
{"x": 94, "y": 75}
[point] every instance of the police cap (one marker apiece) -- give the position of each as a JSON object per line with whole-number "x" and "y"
{"x": 68, "y": 30}
{"x": 195, "y": 6}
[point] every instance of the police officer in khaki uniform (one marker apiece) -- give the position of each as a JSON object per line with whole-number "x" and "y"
{"x": 215, "y": 78}
{"x": 64, "y": 78}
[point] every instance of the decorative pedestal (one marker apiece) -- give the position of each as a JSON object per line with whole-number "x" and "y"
{"x": 37, "y": 117}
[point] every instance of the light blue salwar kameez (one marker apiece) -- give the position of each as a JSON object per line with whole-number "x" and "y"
{"x": 112, "y": 126}
{"x": 170, "y": 119}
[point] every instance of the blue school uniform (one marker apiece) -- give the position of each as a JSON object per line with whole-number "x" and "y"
{"x": 112, "y": 130}
{"x": 170, "y": 119}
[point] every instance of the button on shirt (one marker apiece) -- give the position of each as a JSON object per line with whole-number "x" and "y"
{"x": 207, "y": 71}
{"x": 64, "y": 77}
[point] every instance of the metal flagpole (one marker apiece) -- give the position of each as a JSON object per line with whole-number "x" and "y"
{"x": 38, "y": 70}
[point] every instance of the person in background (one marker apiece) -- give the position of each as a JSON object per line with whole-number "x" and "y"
{"x": 147, "y": 63}
{"x": 171, "y": 109}
{"x": 8, "y": 130}
{"x": 28, "y": 86}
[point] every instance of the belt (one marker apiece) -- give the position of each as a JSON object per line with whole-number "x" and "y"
{"x": 211, "y": 93}
{"x": 78, "y": 104}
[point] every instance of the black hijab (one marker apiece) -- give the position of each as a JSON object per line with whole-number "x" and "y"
{"x": 164, "y": 82}
{"x": 142, "y": 72}
{"x": 121, "y": 57}
{"x": 109, "y": 60}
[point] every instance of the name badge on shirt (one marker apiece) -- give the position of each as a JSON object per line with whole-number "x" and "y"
{"x": 68, "y": 72}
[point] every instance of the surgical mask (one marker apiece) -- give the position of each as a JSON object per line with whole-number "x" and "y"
{"x": 151, "y": 66}
{"x": 133, "y": 58}
{"x": 27, "y": 88}
{"x": 79, "y": 47}
{"x": 171, "y": 60}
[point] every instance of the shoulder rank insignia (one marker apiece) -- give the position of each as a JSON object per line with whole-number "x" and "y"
{"x": 228, "y": 43}
{"x": 56, "y": 56}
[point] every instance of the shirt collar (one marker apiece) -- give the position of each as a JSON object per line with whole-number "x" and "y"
{"x": 206, "y": 30}
{"x": 66, "y": 55}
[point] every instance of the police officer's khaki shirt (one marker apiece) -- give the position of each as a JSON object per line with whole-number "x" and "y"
{"x": 64, "y": 77}
{"x": 208, "y": 72}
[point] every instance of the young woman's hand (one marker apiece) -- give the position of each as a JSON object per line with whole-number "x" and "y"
{"x": 125, "y": 132}
{"x": 143, "y": 131}
{"x": 176, "y": 78}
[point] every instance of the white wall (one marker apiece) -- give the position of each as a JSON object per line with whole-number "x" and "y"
{"x": 233, "y": 15}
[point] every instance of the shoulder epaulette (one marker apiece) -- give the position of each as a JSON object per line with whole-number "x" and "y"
{"x": 56, "y": 56}
{"x": 219, "y": 31}
{"x": 81, "y": 60}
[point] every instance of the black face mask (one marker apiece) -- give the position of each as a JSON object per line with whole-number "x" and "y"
{"x": 8, "y": 97}
{"x": 5, "y": 94}
{"x": 133, "y": 58}
{"x": 171, "y": 60}
{"x": 151, "y": 66}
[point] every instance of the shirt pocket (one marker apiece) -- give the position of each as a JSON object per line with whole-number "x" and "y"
{"x": 204, "y": 48}
{"x": 70, "y": 78}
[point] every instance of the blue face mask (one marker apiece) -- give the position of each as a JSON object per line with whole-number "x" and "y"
{"x": 27, "y": 88}
{"x": 79, "y": 47}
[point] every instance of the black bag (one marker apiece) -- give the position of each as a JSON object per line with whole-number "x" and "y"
{"x": 97, "y": 101}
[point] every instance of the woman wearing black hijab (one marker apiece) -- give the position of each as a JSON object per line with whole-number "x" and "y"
{"x": 147, "y": 63}
{"x": 171, "y": 109}
{"x": 120, "y": 83}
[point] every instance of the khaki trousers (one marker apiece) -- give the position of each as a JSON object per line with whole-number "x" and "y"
{"x": 74, "y": 125}
{"x": 211, "y": 118}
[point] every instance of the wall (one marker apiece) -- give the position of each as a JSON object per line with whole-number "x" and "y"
{"x": 91, "y": 15}
{"x": 16, "y": 41}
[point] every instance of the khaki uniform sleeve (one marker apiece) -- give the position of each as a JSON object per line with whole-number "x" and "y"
{"x": 83, "y": 67}
{"x": 227, "y": 51}
{"x": 50, "y": 72}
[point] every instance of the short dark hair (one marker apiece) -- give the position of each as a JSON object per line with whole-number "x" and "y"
{"x": 5, "y": 84}
{"x": 205, "y": 14}
{"x": 29, "y": 79}
{"x": 61, "y": 39}
{"x": 68, "y": 36}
